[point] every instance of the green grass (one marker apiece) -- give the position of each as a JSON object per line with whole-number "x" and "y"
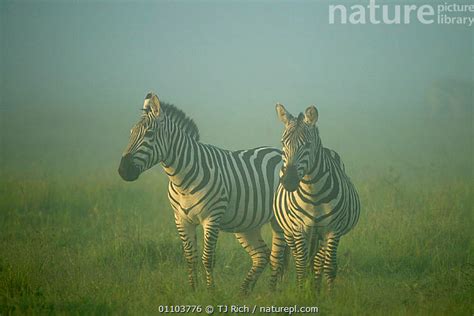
{"x": 97, "y": 245}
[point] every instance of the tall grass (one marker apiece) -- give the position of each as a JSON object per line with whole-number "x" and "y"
{"x": 97, "y": 245}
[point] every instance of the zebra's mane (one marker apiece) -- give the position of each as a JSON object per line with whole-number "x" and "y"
{"x": 178, "y": 117}
{"x": 298, "y": 124}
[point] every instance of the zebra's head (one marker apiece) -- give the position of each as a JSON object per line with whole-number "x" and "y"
{"x": 299, "y": 145}
{"x": 146, "y": 146}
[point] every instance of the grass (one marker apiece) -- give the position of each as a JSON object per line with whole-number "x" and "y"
{"x": 96, "y": 245}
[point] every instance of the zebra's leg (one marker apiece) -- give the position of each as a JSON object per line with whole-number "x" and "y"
{"x": 318, "y": 265}
{"x": 314, "y": 244}
{"x": 211, "y": 232}
{"x": 301, "y": 258}
{"x": 187, "y": 233}
{"x": 253, "y": 243}
{"x": 291, "y": 241}
{"x": 330, "y": 262}
{"x": 279, "y": 254}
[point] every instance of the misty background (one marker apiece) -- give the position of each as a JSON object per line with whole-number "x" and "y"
{"x": 74, "y": 75}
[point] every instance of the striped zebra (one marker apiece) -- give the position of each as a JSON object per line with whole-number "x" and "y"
{"x": 316, "y": 202}
{"x": 224, "y": 190}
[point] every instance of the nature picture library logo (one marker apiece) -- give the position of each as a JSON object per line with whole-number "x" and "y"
{"x": 372, "y": 12}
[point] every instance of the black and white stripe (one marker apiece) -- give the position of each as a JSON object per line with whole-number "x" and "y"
{"x": 224, "y": 190}
{"x": 316, "y": 202}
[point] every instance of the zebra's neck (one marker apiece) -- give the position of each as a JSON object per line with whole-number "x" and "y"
{"x": 318, "y": 165}
{"x": 185, "y": 163}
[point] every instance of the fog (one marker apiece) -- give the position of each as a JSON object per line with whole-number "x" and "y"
{"x": 73, "y": 79}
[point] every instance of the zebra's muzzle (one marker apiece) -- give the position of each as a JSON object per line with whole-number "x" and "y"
{"x": 127, "y": 170}
{"x": 290, "y": 180}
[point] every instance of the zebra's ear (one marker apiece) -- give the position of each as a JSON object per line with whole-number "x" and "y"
{"x": 283, "y": 114}
{"x": 155, "y": 105}
{"x": 152, "y": 103}
{"x": 311, "y": 115}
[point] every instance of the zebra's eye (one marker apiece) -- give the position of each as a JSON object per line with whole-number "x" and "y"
{"x": 149, "y": 133}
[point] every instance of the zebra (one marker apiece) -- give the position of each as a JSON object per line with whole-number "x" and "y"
{"x": 230, "y": 191}
{"x": 315, "y": 203}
